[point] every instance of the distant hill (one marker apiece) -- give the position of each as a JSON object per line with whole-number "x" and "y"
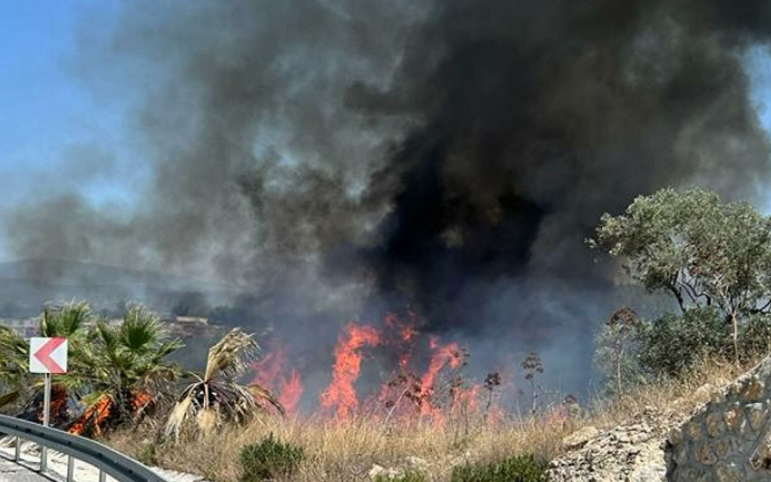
{"x": 26, "y": 284}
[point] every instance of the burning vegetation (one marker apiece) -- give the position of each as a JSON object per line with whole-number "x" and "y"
{"x": 444, "y": 159}
{"x": 392, "y": 371}
{"x": 338, "y": 160}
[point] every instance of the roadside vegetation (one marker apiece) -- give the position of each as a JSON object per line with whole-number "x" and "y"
{"x": 708, "y": 260}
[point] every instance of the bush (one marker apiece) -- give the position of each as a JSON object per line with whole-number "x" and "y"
{"x": 148, "y": 454}
{"x": 673, "y": 344}
{"x": 755, "y": 337}
{"x": 269, "y": 459}
{"x": 522, "y": 468}
{"x": 406, "y": 477}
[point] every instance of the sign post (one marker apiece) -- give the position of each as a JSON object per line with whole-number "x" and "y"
{"x": 47, "y": 356}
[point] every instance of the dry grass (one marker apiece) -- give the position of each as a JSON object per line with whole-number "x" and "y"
{"x": 346, "y": 451}
{"x": 682, "y": 396}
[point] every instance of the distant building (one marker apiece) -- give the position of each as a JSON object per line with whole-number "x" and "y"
{"x": 181, "y": 326}
{"x": 27, "y": 327}
{"x": 185, "y": 326}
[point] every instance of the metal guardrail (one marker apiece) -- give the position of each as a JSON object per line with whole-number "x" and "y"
{"x": 107, "y": 460}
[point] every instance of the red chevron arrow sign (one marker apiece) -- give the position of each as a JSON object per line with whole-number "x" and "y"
{"x": 48, "y": 355}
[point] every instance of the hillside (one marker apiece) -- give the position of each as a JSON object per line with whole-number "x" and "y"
{"x": 26, "y": 284}
{"x": 612, "y": 440}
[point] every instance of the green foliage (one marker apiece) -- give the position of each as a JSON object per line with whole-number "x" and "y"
{"x": 755, "y": 336}
{"x": 705, "y": 253}
{"x": 103, "y": 359}
{"x": 148, "y": 454}
{"x": 695, "y": 247}
{"x": 522, "y": 468}
{"x": 675, "y": 343}
{"x": 269, "y": 459}
{"x": 128, "y": 358}
{"x": 410, "y": 476}
{"x": 67, "y": 321}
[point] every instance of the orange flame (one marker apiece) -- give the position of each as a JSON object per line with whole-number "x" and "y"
{"x": 467, "y": 399}
{"x": 341, "y": 394}
{"x": 58, "y": 408}
{"x": 94, "y": 417}
{"x": 270, "y": 374}
{"x": 97, "y": 415}
{"x": 448, "y": 355}
{"x": 291, "y": 392}
{"x": 140, "y": 401}
{"x": 270, "y": 367}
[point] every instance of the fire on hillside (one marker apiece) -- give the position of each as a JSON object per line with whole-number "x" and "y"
{"x": 408, "y": 375}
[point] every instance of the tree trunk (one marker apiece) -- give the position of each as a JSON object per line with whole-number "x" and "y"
{"x": 618, "y": 372}
{"x": 735, "y": 324}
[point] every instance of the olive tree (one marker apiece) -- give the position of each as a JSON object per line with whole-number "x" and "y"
{"x": 704, "y": 252}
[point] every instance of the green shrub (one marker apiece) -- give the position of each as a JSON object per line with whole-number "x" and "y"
{"x": 406, "y": 477}
{"x": 522, "y": 468}
{"x": 671, "y": 345}
{"x": 755, "y": 337}
{"x": 269, "y": 459}
{"x": 148, "y": 454}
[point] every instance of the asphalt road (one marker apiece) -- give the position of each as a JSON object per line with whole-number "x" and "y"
{"x": 10, "y": 472}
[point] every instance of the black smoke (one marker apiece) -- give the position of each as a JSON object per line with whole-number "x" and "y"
{"x": 448, "y": 156}
{"x": 536, "y": 117}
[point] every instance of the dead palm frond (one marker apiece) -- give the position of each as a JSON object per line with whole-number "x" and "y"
{"x": 216, "y": 396}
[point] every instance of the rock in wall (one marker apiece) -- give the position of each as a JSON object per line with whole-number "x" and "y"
{"x": 729, "y": 438}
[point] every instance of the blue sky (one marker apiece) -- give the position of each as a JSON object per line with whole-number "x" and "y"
{"x": 50, "y": 115}
{"x": 43, "y": 104}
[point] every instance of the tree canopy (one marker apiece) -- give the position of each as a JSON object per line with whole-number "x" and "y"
{"x": 703, "y": 251}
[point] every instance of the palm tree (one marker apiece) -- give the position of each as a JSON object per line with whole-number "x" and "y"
{"x": 216, "y": 395}
{"x": 116, "y": 371}
{"x": 67, "y": 321}
{"x": 13, "y": 369}
{"x": 128, "y": 369}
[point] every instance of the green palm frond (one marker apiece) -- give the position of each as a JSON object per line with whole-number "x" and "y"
{"x": 140, "y": 329}
{"x": 66, "y": 320}
{"x": 104, "y": 360}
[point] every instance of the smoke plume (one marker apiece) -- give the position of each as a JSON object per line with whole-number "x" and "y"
{"x": 448, "y": 156}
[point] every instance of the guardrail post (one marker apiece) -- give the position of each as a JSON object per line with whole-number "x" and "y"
{"x": 43, "y": 459}
{"x": 17, "y": 450}
{"x": 70, "y": 468}
{"x": 106, "y": 460}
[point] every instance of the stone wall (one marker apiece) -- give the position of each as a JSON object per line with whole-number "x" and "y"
{"x": 729, "y": 438}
